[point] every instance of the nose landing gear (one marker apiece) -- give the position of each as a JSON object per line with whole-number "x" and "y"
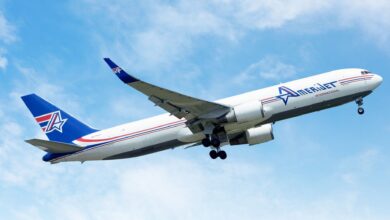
{"x": 359, "y": 102}
{"x": 361, "y": 111}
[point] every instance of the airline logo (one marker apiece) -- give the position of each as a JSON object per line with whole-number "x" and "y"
{"x": 51, "y": 122}
{"x": 116, "y": 70}
{"x": 286, "y": 93}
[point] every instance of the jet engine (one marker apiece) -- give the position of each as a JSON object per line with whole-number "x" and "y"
{"x": 246, "y": 112}
{"x": 254, "y": 136}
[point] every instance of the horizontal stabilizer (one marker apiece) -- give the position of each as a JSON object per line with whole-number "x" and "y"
{"x": 53, "y": 146}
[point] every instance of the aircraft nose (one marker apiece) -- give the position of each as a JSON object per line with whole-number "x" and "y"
{"x": 377, "y": 80}
{"x": 380, "y": 79}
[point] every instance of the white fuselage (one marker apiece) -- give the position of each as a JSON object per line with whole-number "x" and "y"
{"x": 165, "y": 131}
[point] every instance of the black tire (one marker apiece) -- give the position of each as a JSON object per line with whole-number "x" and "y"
{"x": 361, "y": 111}
{"x": 222, "y": 154}
{"x": 213, "y": 154}
{"x": 206, "y": 142}
{"x": 215, "y": 142}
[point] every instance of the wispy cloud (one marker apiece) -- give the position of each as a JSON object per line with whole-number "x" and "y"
{"x": 370, "y": 17}
{"x": 162, "y": 34}
{"x": 164, "y": 188}
{"x": 359, "y": 165}
{"x": 3, "y": 62}
{"x": 7, "y": 31}
{"x": 7, "y": 36}
{"x": 270, "y": 68}
{"x": 31, "y": 80}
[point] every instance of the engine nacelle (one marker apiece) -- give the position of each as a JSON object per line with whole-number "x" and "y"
{"x": 246, "y": 112}
{"x": 254, "y": 136}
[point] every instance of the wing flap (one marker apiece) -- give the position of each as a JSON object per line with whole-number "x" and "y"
{"x": 167, "y": 106}
{"x": 53, "y": 146}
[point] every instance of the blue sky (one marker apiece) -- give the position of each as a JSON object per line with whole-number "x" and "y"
{"x": 327, "y": 165}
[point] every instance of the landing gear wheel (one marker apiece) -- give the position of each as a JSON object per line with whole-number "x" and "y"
{"x": 222, "y": 154}
{"x": 361, "y": 111}
{"x": 206, "y": 142}
{"x": 359, "y": 101}
{"x": 215, "y": 142}
{"x": 213, "y": 154}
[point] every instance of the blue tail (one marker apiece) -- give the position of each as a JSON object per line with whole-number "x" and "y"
{"x": 55, "y": 123}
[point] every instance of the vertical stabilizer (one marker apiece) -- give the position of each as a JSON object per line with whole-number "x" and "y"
{"x": 55, "y": 123}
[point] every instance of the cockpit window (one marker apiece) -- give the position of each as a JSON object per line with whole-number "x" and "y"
{"x": 365, "y": 72}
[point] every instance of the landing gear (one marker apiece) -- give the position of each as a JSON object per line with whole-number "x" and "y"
{"x": 213, "y": 139}
{"x": 359, "y": 102}
{"x": 220, "y": 153}
{"x": 215, "y": 142}
{"x": 213, "y": 154}
{"x": 206, "y": 142}
{"x": 361, "y": 111}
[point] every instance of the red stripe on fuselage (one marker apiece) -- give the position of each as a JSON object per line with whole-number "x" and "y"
{"x": 120, "y": 136}
{"x": 268, "y": 98}
{"x": 355, "y": 80}
{"x": 123, "y": 139}
{"x": 363, "y": 76}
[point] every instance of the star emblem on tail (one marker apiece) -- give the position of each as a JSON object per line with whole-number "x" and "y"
{"x": 51, "y": 122}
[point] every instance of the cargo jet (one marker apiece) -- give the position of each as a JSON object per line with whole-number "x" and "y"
{"x": 242, "y": 119}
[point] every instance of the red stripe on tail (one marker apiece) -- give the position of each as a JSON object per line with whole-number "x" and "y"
{"x": 43, "y": 118}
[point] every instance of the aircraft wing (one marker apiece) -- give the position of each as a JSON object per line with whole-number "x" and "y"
{"x": 175, "y": 103}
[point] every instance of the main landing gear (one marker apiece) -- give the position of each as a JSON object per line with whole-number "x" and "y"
{"x": 215, "y": 143}
{"x": 359, "y": 102}
{"x": 220, "y": 153}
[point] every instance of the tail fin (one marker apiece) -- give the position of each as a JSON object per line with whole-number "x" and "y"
{"x": 56, "y": 124}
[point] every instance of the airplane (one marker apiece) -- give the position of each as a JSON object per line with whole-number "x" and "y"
{"x": 247, "y": 118}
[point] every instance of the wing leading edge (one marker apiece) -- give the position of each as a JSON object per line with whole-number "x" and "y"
{"x": 175, "y": 103}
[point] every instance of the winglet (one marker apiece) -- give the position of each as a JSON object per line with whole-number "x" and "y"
{"x": 122, "y": 75}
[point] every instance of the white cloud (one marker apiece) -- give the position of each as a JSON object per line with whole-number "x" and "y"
{"x": 371, "y": 17}
{"x": 7, "y": 35}
{"x": 268, "y": 68}
{"x": 7, "y": 31}
{"x": 354, "y": 168}
{"x": 50, "y": 89}
{"x": 264, "y": 14}
{"x": 167, "y": 187}
{"x": 3, "y": 62}
{"x": 158, "y": 35}
{"x": 166, "y": 34}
